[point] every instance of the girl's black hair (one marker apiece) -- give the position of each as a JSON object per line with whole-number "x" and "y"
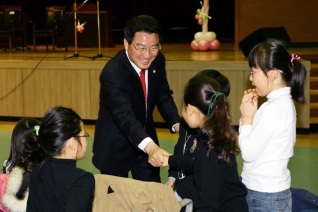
{"x": 24, "y": 126}
{"x": 17, "y": 150}
{"x": 57, "y": 126}
{"x": 220, "y": 78}
{"x": 272, "y": 54}
{"x": 217, "y": 128}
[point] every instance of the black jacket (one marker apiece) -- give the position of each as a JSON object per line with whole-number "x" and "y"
{"x": 217, "y": 186}
{"x": 185, "y": 186}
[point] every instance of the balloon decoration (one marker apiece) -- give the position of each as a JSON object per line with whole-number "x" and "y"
{"x": 204, "y": 40}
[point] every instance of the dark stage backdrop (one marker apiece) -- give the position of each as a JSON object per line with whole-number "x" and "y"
{"x": 176, "y": 16}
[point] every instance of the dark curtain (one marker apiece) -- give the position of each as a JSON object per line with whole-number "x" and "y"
{"x": 170, "y": 13}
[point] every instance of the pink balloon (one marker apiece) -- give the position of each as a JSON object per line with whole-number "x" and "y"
{"x": 214, "y": 44}
{"x": 195, "y": 45}
{"x": 204, "y": 45}
{"x": 196, "y": 17}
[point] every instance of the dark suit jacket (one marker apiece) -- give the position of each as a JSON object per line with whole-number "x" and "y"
{"x": 123, "y": 121}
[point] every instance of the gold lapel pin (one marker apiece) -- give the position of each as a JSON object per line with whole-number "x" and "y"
{"x": 154, "y": 71}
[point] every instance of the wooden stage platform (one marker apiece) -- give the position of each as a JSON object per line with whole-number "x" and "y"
{"x": 31, "y": 82}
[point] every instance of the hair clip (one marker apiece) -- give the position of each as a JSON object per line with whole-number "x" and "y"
{"x": 36, "y": 128}
{"x": 294, "y": 57}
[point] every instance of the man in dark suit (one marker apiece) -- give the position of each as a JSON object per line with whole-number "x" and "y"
{"x": 125, "y": 136}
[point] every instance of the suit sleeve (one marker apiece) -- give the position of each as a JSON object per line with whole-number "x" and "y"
{"x": 178, "y": 150}
{"x": 181, "y": 162}
{"x": 173, "y": 171}
{"x": 165, "y": 102}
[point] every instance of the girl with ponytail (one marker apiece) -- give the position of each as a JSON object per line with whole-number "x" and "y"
{"x": 267, "y": 134}
{"x": 56, "y": 184}
{"x": 216, "y": 180}
{"x": 14, "y": 183}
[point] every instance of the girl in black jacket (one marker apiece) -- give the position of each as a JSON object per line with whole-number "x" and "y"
{"x": 216, "y": 180}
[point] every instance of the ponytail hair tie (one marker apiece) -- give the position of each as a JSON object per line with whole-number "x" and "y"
{"x": 36, "y": 128}
{"x": 294, "y": 57}
{"x": 214, "y": 96}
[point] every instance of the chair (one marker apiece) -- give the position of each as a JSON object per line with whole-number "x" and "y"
{"x": 124, "y": 194}
{"x": 54, "y": 27}
{"x": 188, "y": 204}
{"x": 12, "y": 26}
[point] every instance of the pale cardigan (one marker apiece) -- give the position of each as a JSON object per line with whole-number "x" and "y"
{"x": 123, "y": 194}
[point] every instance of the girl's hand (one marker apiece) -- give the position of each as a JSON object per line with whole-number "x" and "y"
{"x": 165, "y": 162}
{"x": 255, "y": 94}
{"x": 170, "y": 182}
{"x": 249, "y": 106}
{"x": 251, "y": 94}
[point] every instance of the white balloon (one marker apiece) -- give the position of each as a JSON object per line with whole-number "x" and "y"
{"x": 198, "y": 36}
{"x": 209, "y": 36}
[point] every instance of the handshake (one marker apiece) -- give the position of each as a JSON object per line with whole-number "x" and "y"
{"x": 157, "y": 156}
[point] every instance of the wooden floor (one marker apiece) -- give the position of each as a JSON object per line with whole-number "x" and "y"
{"x": 172, "y": 52}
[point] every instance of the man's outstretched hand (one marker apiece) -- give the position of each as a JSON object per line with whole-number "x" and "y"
{"x": 155, "y": 154}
